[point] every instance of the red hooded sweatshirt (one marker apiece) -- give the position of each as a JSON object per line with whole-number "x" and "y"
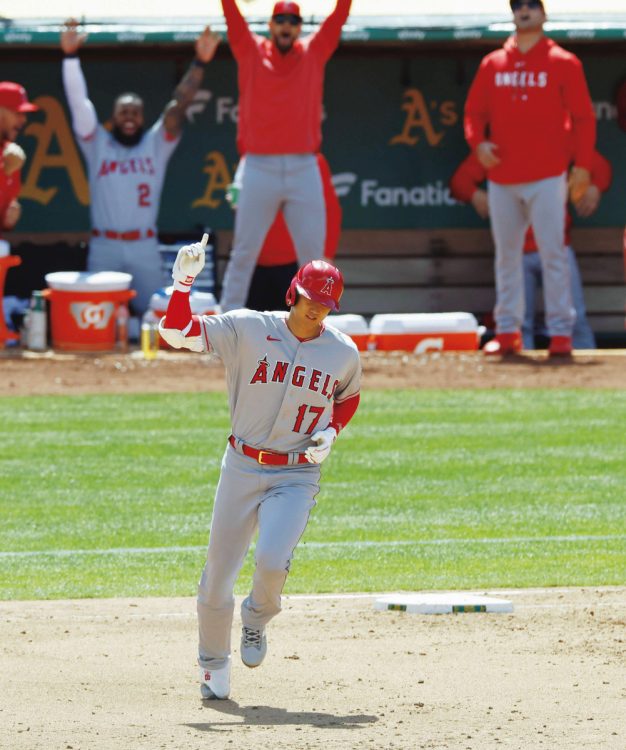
{"x": 280, "y": 95}
{"x": 524, "y": 103}
{"x": 9, "y": 187}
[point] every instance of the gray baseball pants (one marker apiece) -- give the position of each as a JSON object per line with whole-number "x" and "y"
{"x": 582, "y": 334}
{"x": 512, "y": 208}
{"x": 290, "y": 182}
{"x": 275, "y": 499}
{"x": 141, "y": 259}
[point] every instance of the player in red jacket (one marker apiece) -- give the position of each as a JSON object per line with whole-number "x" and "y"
{"x": 466, "y": 186}
{"x": 524, "y": 103}
{"x": 14, "y": 106}
{"x": 279, "y": 130}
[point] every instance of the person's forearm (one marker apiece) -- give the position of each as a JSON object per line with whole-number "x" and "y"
{"x": 344, "y": 411}
{"x": 184, "y": 94}
{"x": 84, "y": 118}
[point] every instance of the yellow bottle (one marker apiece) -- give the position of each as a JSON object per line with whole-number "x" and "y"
{"x": 149, "y": 335}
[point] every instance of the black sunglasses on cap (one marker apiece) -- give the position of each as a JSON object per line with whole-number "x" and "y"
{"x": 289, "y": 18}
{"x": 532, "y": 4}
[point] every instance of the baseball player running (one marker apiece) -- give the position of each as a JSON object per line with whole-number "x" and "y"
{"x": 279, "y": 130}
{"x": 126, "y": 166}
{"x": 293, "y": 384}
{"x": 529, "y": 96}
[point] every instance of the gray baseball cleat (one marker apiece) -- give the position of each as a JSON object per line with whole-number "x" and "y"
{"x": 215, "y": 683}
{"x": 253, "y": 646}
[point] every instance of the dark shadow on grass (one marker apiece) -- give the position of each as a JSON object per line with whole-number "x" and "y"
{"x": 271, "y": 716}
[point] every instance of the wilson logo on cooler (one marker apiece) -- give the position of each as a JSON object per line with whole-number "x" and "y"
{"x": 89, "y": 315}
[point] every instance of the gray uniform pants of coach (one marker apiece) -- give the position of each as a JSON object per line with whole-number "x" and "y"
{"x": 511, "y": 209}
{"x": 275, "y": 499}
{"x": 290, "y": 182}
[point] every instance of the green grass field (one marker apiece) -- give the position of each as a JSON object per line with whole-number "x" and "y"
{"x": 112, "y": 495}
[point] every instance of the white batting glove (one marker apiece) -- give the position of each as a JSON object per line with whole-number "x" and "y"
{"x": 315, "y": 454}
{"x": 188, "y": 264}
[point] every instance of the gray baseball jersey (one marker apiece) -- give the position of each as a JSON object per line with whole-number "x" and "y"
{"x": 281, "y": 390}
{"x": 126, "y": 182}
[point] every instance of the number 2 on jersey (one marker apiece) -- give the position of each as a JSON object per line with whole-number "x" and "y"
{"x": 317, "y": 411}
{"x": 144, "y": 194}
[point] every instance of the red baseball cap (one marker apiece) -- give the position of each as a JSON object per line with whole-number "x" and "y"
{"x": 13, "y": 97}
{"x": 292, "y": 9}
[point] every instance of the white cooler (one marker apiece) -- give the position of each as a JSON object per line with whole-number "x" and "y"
{"x": 423, "y": 332}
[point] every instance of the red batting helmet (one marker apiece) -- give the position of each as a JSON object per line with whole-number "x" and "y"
{"x": 318, "y": 281}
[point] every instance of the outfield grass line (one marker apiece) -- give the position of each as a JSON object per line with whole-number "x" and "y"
{"x": 321, "y": 545}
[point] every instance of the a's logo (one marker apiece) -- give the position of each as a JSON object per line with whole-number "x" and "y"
{"x": 89, "y": 315}
{"x": 328, "y": 286}
{"x": 424, "y": 117}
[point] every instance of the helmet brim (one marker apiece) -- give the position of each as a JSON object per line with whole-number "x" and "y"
{"x": 322, "y": 300}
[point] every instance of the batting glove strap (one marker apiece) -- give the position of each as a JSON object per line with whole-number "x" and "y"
{"x": 184, "y": 285}
{"x": 188, "y": 264}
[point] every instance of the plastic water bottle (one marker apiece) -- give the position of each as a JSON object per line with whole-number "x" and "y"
{"x": 121, "y": 327}
{"x": 37, "y": 324}
{"x": 149, "y": 335}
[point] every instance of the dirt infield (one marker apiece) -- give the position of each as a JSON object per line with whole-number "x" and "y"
{"x": 65, "y": 373}
{"x": 120, "y": 674}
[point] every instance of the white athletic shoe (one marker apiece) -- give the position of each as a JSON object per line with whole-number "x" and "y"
{"x": 215, "y": 683}
{"x": 253, "y": 646}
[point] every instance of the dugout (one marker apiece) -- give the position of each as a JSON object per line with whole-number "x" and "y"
{"x": 392, "y": 134}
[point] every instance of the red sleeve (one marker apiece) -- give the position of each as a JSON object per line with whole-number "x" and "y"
{"x": 325, "y": 40}
{"x": 333, "y": 209}
{"x": 477, "y": 107}
{"x": 239, "y": 34}
{"x": 178, "y": 314}
{"x": 343, "y": 412}
{"x": 468, "y": 177}
{"x": 10, "y": 186}
{"x": 579, "y": 105}
{"x": 601, "y": 172}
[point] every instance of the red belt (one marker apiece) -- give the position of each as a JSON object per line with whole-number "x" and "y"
{"x": 271, "y": 458}
{"x": 132, "y": 236}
